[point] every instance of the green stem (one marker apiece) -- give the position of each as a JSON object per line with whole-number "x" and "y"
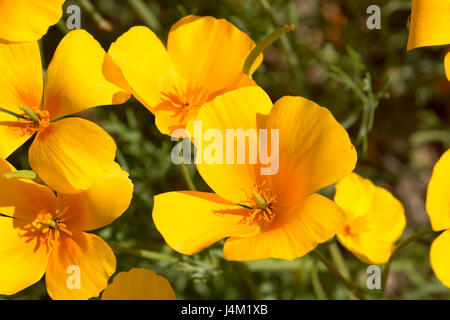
{"x": 141, "y": 253}
{"x": 187, "y": 177}
{"x": 348, "y": 284}
{"x": 102, "y": 23}
{"x": 315, "y": 281}
{"x": 401, "y": 245}
{"x": 261, "y": 46}
{"x": 339, "y": 262}
{"x": 145, "y": 13}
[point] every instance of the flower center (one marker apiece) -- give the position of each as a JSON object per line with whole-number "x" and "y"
{"x": 47, "y": 222}
{"x": 46, "y": 228}
{"x": 261, "y": 205}
{"x": 357, "y": 226}
{"x": 35, "y": 120}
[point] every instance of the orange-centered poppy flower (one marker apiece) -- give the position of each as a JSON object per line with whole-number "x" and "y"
{"x": 139, "y": 284}
{"x": 28, "y": 20}
{"x": 374, "y": 219}
{"x": 71, "y": 153}
{"x": 204, "y": 58}
{"x": 438, "y": 208}
{"x": 430, "y": 26}
{"x": 43, "y": 233}
{"x": 264, "y": 216}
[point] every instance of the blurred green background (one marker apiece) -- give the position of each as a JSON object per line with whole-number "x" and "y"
{"x": 395, "y": 105}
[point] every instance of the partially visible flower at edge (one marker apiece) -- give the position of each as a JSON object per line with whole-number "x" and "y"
{"x": 438, "y": 209}
{"x": 430, "y": 26}
{"x": 43, "y": 233}
{"x": 28, "y": 20}
{"x": 139, "y": 284}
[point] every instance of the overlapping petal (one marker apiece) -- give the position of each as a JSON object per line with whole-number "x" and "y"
{"x": 144, "y": 62}
{"x": 239, "y": 113}
{"x": 101, "y": 204}
{"x": 139, "y": 284}
{"x": 79, "y": 267}
{"x": 191, "y": 221}
{"x": 71, "y": 154}
{"x": 314, "y": 149}
{"x": 28, "y": 20}
{"x": 77, "y": 77}
{"x": 24, "y": 200}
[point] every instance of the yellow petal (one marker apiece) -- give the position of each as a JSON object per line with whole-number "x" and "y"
{"x": 101, "y": 204}
{"x": 315, "y": 150}
{"x": 23, "y": 259}
{"x": 208, "y": 52}
{"x": 430, "y": 23}
{"x": 440, "y": 259}
{"x": 71, "y": 154}
{"x": 243, "y": 109}
{"x": 311, "y": 221}
{"x": 362, "y": 200}
{"x": 146, "y": 66}
{"x": 144, "y": 62}
{"x": 79, "y": 267}
{"x": 28, "y": 20}
{"x": 12, "y": 134}
{"x": 21, "y": 80}
{"x": 447, "y": 65}
{"x": 76, "y": 77}
{"x": 24, "y": 199}
{"x": 192, "y": 221}
{"x": 367, "y": 208}
{"x": 5, "y": 167}
{"x": 438, "y": 194}
{"x": 139, "y": 284}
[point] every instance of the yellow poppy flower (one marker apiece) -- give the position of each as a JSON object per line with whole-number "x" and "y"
{"x": 374, "y": 219}
{"x": 28, "y": 20}
{"x": 43, "y": 233}
{"x": 430, "y": 26}
{"x": 72, "y": 153}
{"x": 139, "y": 284}
{"x": 264, "y": 216}
{"x": 438, "y": 208}
{"x": 204, "y": 58}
